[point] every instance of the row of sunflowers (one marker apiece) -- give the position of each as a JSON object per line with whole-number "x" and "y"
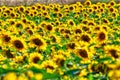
{"x": 60, "y": 42}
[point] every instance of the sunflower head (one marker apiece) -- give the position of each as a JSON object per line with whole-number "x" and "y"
{"x": 35, "y": 58}
{"x": 101, "y": 36}
{"x": 18, "y": 44}
{"x": 85, "y": 38}
{"x": 82, "y": 53}
{"x": 6, "y": 38}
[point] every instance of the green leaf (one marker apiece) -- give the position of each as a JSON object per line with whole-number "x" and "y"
{"x": 30, "y": 50}
{"x": 72, "y": 72}
{"x": 118, "y": 18}
{"x": 104, "y": 59}
{"x": 90, "y": 77}
{"x": 116, "y": 42}
{"x": 53, "y": 76}
{"x": 36, "y": 70}
{"x": 64, "y": 47}
{"x": 48, "y": 49}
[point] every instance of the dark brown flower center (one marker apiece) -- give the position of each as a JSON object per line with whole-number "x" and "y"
{"x": 36, "y": 59}
{"x": 101, "y": 36}
{"x": 37, "y": 42}
{"x": 85, "y": 38}
{"x": 78, "y": 31}
{"x": 113, "y": 53}
{"x": 9, "y": 54}
{"x": 49, "y": 27}
{"x": 71, "y": 45}
{"x": 83, "y": 53}
{"x": 18, "y": 44}
{"x": 6, "y": 38}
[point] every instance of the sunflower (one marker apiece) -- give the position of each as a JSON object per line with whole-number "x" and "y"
{"x": 24, "y": 20}
{"x": 19, "y": 24}
{"x": 6, "y": 38}
{"x": 54, "y": 38}
{"x": 49, "y": 27}
{"x": 105, "y": 21}
{"x": 83, "y": 53}
{"x": 5, "y": 15}
{"x": 31, "y": 14}
{"x": 112, "y": 3}
{"x": 77, "y": 30}
{"x": 112, "y": 50}
{"x": 87, "y": 3}
{"x": 111, "y": 9}
{"x": 43, "y": 8}
{"x": 29, "y": 31}
{"x": 71, "y": 23}
{"x": 10, "y": 76}
{"x": 38, "y": 6}
{"x": 95, "y": 7}
{"x": 85, "y": 38}
{"x": 37, "y": 41}
{"x": 60, "y": 15}
{"x": 35, "y": 58}
{"x": 33, "y": 8}
{"x": 101, "y": 36}
{"x": 90, "y": 10}
{"x": 19, "y": 44}
{"x": 12, "y": 22}
{"x": 59, "y": 60}
{"x": 21, "y": 8}
{"x": 71, "y": 46}
{"x": 71, "y": 8}
{"x": 49, "y": 65}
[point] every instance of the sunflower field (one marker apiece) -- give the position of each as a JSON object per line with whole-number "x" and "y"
{"x": 79, "y": 41}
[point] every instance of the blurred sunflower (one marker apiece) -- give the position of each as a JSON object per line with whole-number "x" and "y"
{"x": 35, "y": 58}
{"x": 101, "y": 36}
{"x": 10, "y": 76}
{"x": 37, "y": 41}
{"x": 49, "y": 65}
{"x": 112, "y": 51}
{"x": 19, "y": 44}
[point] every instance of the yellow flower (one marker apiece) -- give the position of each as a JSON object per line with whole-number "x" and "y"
{"x": 19, "y": 44}
{"x": 30, "y": 74}
{"x": 84, "y": 53}
{"x": 21, "y": 78}
{"x": 87, "y": 3}
{"x": 59, "y": 59}
{"x": 10, "y": 76}
{"x": 35, "y": 58}
{"x": 112, "y": 3}
{"x": 37, "y": 41}
{"x": 49, "y": 65}
{"x": 112, "y": 51}
{"x": 21, "y": 8}
{"x": 70, "y": 23}
{"x": 38, "y": 76}
{"x": 101, "y": 36}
